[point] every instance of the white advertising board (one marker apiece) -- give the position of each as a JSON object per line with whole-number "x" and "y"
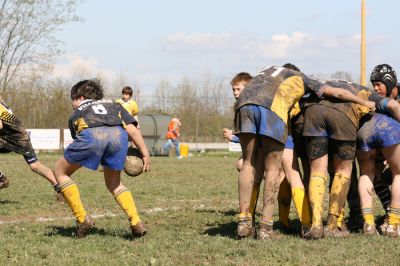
{"x": 67, "y": 138}
{"x": 45, "y": 139}
{"x": 235, "y": 147}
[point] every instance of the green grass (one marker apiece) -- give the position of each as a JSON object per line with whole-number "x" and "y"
{"x": 189, "y": 205}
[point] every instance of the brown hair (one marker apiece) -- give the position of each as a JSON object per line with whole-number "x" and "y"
{"x": 242, "y": 76}
{"x": 89, "y": 89}
{"x": 127, "y": 90}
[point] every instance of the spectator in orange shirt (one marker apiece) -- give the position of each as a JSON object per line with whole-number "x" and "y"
{"x": 172, "y": 136}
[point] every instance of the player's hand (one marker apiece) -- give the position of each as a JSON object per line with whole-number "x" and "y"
{"x": 228, "y": 134}
{"x": 370, "y": 105}
{"x": 146, "y": 163}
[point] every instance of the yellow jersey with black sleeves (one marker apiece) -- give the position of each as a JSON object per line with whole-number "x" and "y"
{"x": 131, "y": 106}
{"x": 278, "y": 89}
{"x": 91, "y": 113}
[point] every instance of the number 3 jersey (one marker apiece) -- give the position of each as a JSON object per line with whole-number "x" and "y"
{"x": 98, "y": 113}
{"x": 278, "y": 89}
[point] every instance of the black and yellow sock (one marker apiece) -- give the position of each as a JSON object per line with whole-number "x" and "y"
{"x": 71, "y": 195}
{"x": 368, "y": 215}
{"x": 300, "y": 200}
{"x": 125, "y": 200}
{"x": 317, "y": 189}
{"x": 284, "y": 199}
{"x": 338, "y": 195}
{"x": 394, "y": 215}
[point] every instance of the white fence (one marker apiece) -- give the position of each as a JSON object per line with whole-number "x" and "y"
{"x": 57, "y": 139}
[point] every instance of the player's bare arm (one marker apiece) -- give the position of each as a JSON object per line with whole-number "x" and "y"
{"x": 346, "y": 95}
{"x": 136, "y": 137}
{"x": 394, "y": 109}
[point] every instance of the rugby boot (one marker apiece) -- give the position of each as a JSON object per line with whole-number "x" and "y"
{"x": 335, "y": 232}
{"x": 267, "y": 232}
{"x": 316, "y": 232}
{"x": 4, "y": 182}
{"x": 139, "y": 229}
{"x": 369, "y": 230}
{"x": 83, "y": 228}
{"x": 245, "y": 227}
{"x": 391, "y": 231}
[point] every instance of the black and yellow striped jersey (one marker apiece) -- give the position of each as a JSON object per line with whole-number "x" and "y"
{"x": 98, "y": 113}
{"x": 278, "y": 89}
{"x": 11, "y": 124}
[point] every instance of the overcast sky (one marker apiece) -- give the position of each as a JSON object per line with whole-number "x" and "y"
{"x": 147, "y": 41}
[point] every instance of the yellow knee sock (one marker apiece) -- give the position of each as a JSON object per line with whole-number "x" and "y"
{"x": 284, "y": 199}
{"x": 394, "y": 215}
{"x": 300, "y": 200}
{"x": 340, "y": 218}
{"x": 368, "y": 215}
{"x": 340, "y": 188}
{"x": 317, "y": 189}
{"x": 125, "y": 200}
{"x": 254, "y": 198}
{"x": 71, "y": 195}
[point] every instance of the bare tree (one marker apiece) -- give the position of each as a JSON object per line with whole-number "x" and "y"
{"x": 27, "y": 41}
{"x": 342, "y": 75}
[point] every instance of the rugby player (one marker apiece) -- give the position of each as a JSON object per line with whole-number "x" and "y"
{"x": 261, "y": 119}
{"x": 100, "y": 129}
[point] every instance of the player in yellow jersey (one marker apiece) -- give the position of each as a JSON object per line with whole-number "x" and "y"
{"x": 128, "y": 103}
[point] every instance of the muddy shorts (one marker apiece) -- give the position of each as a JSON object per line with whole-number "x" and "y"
{"x": 258, "y": 120}
{"x": 320, "y": 146}
{"x": 380, "y": 131}
{"x": 328, "y": 130}
{"x": 99, "y": 145}
{"x": 322, "y": 121}
{"x": 19, "y": 143}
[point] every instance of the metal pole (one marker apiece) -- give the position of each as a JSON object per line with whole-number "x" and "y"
{"x": 363, "y": 48}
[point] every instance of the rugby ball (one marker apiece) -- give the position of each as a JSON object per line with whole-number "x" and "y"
{"x": 134, "y": 162}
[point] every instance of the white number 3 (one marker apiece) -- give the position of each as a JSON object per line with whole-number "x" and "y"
{"x": 99, "y": 109}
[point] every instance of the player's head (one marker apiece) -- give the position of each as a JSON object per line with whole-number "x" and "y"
{"x": 291, "y": 66}
{"x": 384, "y": 79}
{"x": 239, "y": 82}
{"x": 87, "y": 89}
{"x": 127, "y": 93}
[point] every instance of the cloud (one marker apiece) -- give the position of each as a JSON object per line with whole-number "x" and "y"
{"x": 75, "y": 66}
{"x": 203, "y": 41}
{"x": 276, "y": 47}
{"x": 279, "y": 46}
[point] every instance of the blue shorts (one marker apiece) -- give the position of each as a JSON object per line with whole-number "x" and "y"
{"x": 380, "y": 131}
{"x": 99, "y": 145}
{"x": 259, "y": 120}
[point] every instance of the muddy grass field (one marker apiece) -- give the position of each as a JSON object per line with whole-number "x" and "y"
{"x": 190, "y": 208}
